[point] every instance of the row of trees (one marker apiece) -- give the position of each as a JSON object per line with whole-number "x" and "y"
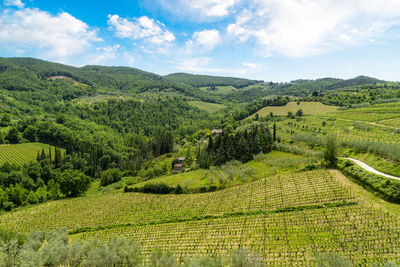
{"x": 259, "y": 104}
{"x": 47, "y": 179}
{"x": 246, "y": 141}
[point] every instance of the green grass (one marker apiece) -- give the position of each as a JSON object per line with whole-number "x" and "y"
{"x": 22, "y": 153}
{"x": 221, "y": 90}
{"x": 264, "y": 165}
{"x": 209, "y": 107}
{"x": 309, "y": 108}
{"x": 379, "y": 163}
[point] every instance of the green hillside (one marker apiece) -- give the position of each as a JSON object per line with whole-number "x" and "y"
{"x": 28, "y": 74}
{"x": 206, "y": 80}
{"x": 22, "y": 153}
{"x": 308, "y": 108}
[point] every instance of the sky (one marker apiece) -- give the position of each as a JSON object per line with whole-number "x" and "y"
{"x": 271, "y": 40}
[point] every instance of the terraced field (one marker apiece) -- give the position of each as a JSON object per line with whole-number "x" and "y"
{"x": 287, "y": 218}
{"x": 21, "y": 153}
{"x": 373, "y": 123}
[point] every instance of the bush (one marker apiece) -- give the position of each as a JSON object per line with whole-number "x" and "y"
{"x": 73, "y": 183}
{"x": 332, "y": 260}
{"x": 156, "y": 188}
{"x": 110, "y": 176}
{"x": 386, "y": 188}
{"x": 330, "y": 150}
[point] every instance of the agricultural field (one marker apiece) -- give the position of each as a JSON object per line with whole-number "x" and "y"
{"x": 309, "y": 108}
{"x": 288, "y": 217}
{"x": 221, "y": 90}
{"x": 209, "y": 107}
{"x": 373, "y": 113}
{"x": 22, "y": 153}
{"x": 373, "y": 123}
{"x": 235, "y": 174}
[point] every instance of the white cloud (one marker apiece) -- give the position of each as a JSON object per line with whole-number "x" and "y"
{"x": 210, "y": 8}
{"x": 204, "y": 65}
{"x": 129, "y": 58}
{"x": 205, "y": 40}
{"x": 300, "y": 28}
{"x": 198, "y": 65}
{"x": 252, "y": 65}
{"x": 106, "y": 53}
{"x": 142, "y": 28}
{"x": 16, "y": 3}
{"x": 198, "y": 9}
{"x": 56, "y": 36}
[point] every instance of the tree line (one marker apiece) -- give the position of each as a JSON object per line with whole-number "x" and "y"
{"x": 246, "y": 141}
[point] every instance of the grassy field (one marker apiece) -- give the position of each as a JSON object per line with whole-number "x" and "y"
{"x": 22, "y": 153}
{"x": 287, "y": 218}
{"x": 209, "y": 107}
{"x": 221, "y": 90}
{"x": 309, "y": 108}
{"x": 264, "y": 165}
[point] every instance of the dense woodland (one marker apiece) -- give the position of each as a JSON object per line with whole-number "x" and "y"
{"x": 242, "y": 145}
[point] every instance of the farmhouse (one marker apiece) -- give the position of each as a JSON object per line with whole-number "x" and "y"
{"x": 178, "y": 165}
{"x": 217, "y": 131}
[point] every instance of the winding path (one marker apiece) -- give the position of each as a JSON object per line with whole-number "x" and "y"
{"x": 370, "y": 169}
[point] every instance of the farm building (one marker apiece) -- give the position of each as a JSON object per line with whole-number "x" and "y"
{"x": 178, "y": 165}
{"x": 217, "y": 131}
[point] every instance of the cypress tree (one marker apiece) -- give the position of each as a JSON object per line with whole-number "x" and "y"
{"x": 43, "y": 155}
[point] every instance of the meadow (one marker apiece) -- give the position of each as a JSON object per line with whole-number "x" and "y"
{"x": 308, "y": 108}
{"x": 235, "y": 173}
{"x": 22, "y": 153}
{"x": 222, "y": 90}
{"x": 209, "y": 107}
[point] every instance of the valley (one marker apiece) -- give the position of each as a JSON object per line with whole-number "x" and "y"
{"x": 195, "y": 165}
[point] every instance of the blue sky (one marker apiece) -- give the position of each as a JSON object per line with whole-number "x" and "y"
{"x": 271, "y": 40}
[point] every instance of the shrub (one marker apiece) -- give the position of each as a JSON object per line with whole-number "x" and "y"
{"x": 330, "y": 150}
{"x": 73, "y": 183}
{"x": 386, "y": 188}
{"x": 110, "y": 176}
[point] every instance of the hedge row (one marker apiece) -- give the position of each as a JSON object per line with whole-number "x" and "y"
{"x": 386, "y": 188}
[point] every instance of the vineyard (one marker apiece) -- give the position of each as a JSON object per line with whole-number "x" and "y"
{"x": 309, "y": 108}
{"x": 378, "y": 123}
{"x": 286, "y": 218}
{"x": 22, "y": 153}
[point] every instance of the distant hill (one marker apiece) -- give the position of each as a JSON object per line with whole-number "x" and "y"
{"x": 306, "y": 87}
{"x": 206, "y": 80}
{"x": 29, "y": 74}
{"x": 357, "y": 81}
